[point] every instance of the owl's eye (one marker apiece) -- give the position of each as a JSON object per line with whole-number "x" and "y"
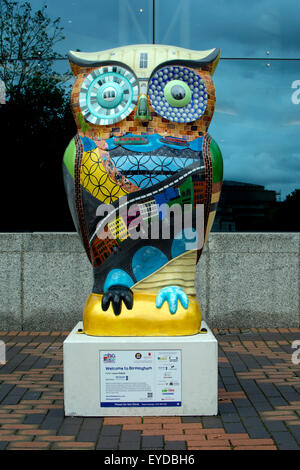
{"x": 108, "y": 95}
{"x": 178, "y": 94}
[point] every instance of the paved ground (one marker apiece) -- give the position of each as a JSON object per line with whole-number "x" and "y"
{"x": 259, "y": 400}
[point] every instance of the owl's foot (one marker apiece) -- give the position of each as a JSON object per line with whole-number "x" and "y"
{"x": 115, "y": 295}
{"x": 172, "y": 294}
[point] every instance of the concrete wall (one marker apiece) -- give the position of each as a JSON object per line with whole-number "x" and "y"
{"x": 243, "y": 280}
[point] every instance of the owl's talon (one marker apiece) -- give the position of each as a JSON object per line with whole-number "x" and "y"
{"x": 128, "y": 300}
{"x": 106, "y": 300}
{"x": 172, "y": 294}
{"x": 115, "y": 295}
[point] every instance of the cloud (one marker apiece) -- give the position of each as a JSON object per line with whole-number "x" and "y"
{"x": 223, "y": 110}
{"x": 291, "y": 123}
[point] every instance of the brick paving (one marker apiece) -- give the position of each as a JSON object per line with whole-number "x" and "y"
{"x": 259, "y": 400}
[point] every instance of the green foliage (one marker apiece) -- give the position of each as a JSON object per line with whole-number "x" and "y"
{"x": 27, "y": 41}
{"x": 37, "y": 96}
{"x": 36, "y": 122}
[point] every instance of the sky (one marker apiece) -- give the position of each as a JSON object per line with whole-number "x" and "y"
{"x": 257, "y": 116}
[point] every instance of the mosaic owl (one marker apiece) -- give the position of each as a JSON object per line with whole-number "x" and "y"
{"x": 142, "y": 151}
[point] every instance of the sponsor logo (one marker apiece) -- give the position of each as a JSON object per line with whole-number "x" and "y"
{"x": 109, "y": 357}
{"x": 173, "y": 359}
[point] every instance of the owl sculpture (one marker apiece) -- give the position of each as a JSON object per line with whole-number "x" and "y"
{"x": 143, "y": 179}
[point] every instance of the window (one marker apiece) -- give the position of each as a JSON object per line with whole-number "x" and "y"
{"x": 143, "y": 60}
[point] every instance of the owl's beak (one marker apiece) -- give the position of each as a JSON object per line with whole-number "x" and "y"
{"x": 142, "y": 112}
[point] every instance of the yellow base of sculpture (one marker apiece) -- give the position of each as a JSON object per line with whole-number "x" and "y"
{"x": 145, "y": 319}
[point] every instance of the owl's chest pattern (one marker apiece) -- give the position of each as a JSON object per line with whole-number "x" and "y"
{"x": 146, "y": 169}
{"x": 135, "y": 163}
{"x": 148, "y": 161}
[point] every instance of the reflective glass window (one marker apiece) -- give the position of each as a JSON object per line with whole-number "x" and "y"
{"x": 259, "y": 28}
{"x": 257, "y": 116}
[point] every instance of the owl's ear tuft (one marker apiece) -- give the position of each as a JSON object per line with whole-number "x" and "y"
{"x": 75, "y": 66}
{"x": 201, "y": 59}
{"x": 79, "y": 60}
{"x": 212, "y": 60}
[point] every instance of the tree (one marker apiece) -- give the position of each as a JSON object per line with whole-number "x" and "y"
{"x": 27, "y": 41}
{"x": 36, "y": 122}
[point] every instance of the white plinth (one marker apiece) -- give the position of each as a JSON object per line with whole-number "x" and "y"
{"x": 199, "y": 373}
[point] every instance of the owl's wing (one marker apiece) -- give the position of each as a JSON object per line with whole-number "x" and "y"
{"x": 71, "y": 174}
